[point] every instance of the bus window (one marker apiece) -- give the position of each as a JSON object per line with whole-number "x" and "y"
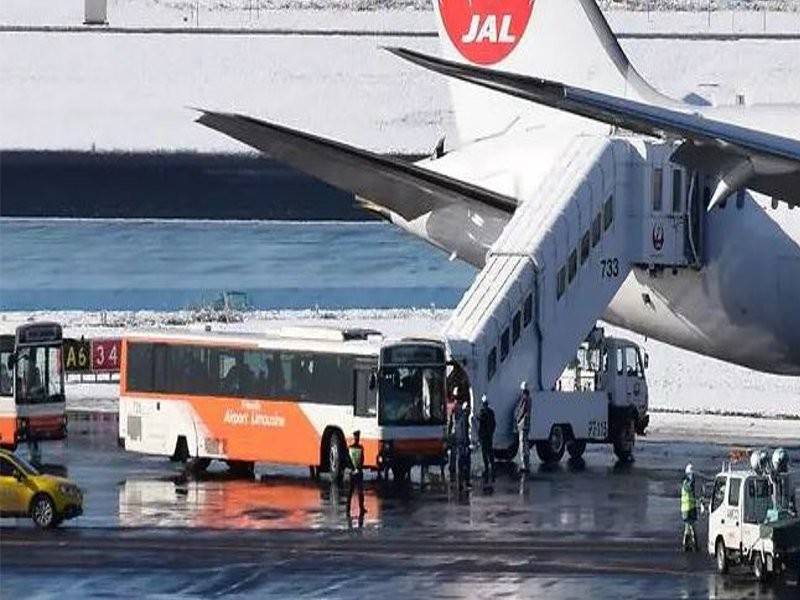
{"x": 366, "y": 398}
{"x": 6, "y": 381}
{"x": 411, "y": 395}
{"x": 39, "y": 376}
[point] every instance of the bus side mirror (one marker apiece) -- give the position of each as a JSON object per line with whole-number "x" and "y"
{"x": 646, "y": 360}
{"x": 12, "y": 360}
{"x": 373, "y": 381}
{"x": 18, "y": 475}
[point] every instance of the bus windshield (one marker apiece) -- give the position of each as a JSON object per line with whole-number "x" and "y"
{"x": 39, "y": 375}
{"x": 411, "y": 395}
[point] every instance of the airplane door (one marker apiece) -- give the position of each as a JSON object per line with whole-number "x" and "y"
{"x": 665, "y": 226}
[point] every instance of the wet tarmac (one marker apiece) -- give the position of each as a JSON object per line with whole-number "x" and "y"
{"x": 595, "y": 529}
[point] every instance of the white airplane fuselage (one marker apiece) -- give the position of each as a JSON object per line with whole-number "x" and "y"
{"x": 740, "y": 306}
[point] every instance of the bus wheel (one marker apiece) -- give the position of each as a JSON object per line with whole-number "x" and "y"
{"x": 335, "y": 456}
{"x": 552, "y": 449}
{"x": 198, "y": 465}
{"x": 624, "y": 441}
{"x": 576, "y": 448}
{"x": 400, "y": 472}
{"x": 242, "y": 468}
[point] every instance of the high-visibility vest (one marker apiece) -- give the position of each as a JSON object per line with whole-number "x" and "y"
{"x": 357, "y": 457}
{"x": 688, "y": 501}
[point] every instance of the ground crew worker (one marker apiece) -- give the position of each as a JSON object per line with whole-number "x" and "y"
{"x": 486, "y": 427}
{"x": 689, "y": 510}
{"x": 356, "y": 452}
{"x": 523, "y": 423}
{"x": 453, "y": 407}
{"x": 463, "y": 445}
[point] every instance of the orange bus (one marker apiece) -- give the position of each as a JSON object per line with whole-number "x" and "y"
{"x": 32, "y": 406}
{"x": 291, "y": 397}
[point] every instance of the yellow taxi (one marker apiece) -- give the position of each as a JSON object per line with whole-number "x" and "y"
{"x": 25, "y": 492}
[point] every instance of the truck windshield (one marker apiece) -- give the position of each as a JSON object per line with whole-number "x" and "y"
{"x": 411, "y": 395}
{"x": 40, "y": 378}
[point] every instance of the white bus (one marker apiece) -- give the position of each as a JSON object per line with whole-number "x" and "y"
{"x": 292, "y": 397}
{"x": 32, "y": 406}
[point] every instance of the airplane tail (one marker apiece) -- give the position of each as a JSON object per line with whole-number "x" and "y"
{"x": 562, "y": 40}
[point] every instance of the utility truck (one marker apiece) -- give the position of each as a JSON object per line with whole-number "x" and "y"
{"x": 753, "y": 518}
{"x": 600, "y": 398}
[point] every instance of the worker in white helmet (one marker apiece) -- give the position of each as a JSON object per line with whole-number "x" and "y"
{"x": 689, "y": 510}
{"x": 486, "y": 427}
{"x": 522, "y": 421}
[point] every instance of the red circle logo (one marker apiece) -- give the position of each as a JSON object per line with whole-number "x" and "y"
{"x": 485, "y": 31}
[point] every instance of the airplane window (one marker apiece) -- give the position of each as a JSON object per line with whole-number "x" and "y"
{"x": 658, "y": 180}
{"x": 608, "y": 213}
{"x": 561, "y": 282}
{"x": 585, "y": 247}
{"x": 573, "y": 265}
{"x": 516, "y": 326}
{"x": 677, "y": 190}
{"x": 491, "y": 366}
{"x": 596, "y": 230}
{"x": 504, "y": 345}
{"x": 527, "y": 310}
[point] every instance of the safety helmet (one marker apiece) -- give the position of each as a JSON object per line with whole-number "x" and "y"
{"x": 484, "y": 399}
{"x": 523, "y": 386}
{"x": 780, "y": 460}
{"x": 465, "y": 405}
{"x": 455, "y": 390}
{"x": 689, "y": 470}
{"x": 759, "y": 461}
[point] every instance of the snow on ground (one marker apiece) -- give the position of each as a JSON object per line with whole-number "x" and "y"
{"x": 129, "y": 92}
{"x": 689, "y": 392}
{"x": 628, "y": 16}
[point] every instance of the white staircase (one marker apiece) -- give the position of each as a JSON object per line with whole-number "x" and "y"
{"x": 548, "y": 278}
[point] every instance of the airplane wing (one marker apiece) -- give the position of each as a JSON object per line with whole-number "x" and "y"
{"x": 743, "y": 157}
{"x": 401, "y": 187}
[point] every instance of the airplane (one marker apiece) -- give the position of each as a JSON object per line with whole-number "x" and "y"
{"x": 530, "y": 77}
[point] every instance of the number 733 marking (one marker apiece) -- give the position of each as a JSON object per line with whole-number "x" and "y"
{"x": 609, "y": 268}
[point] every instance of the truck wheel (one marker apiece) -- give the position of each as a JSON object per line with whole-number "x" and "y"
{"x": 624, "y": 441}
{"x": 552, "y": 450}
{"x": 721, "y": 556}
{"x": 335, "y": 456}
{"x": 759, "y": 568}
{"x": 576, "y": 448}
{"x": 43, "y": 512}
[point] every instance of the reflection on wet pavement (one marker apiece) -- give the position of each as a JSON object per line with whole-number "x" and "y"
{"x": 577, "y": 530}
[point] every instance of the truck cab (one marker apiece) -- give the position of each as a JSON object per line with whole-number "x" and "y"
{"x": 746, "y": 527}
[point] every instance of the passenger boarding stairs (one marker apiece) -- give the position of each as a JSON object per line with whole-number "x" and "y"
{"x": 555, "y": 269}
